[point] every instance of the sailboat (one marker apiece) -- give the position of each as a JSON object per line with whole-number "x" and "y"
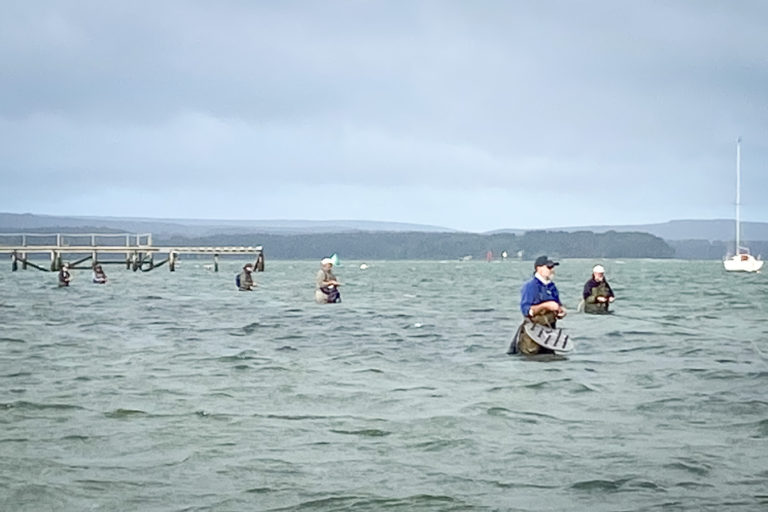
{"x": 741, "y": 261}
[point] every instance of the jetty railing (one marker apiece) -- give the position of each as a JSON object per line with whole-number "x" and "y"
{"x": 137, "y": 249}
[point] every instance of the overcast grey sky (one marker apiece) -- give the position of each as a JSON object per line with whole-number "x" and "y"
{"x": 468, "y": 115}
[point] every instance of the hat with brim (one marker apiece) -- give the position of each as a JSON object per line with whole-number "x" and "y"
{"x": 544, "y": 261}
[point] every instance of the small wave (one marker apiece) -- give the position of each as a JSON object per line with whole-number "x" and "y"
{"x": 366, "y": 432}
{"x": 693, "y": 485}
{"x": 439, "y": 445}
{"x": 251, "y": 328}
{"x": 690, "y": 467}
{"x": 245, "y": 355}
{"x": 34, "y": 406}
{"x": 546, "y": 384}
{"x": 643, "y": 348}
{"x": 19, "y": 374}
{"x": 75, "y": 437}
{"x": 11, "y": 340}
{"x": 600, "y": 485}
{"x": 260, "y": 490}
{"x": 654, "y": 405}
{"x": 296, "y": 417}
{"x": 124, "y": 413}
{"x": 289, "y": 337}
{"x": 416, "y": 502}
{"x": 584, "y": 388}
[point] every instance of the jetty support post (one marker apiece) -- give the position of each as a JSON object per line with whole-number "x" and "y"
{"x": 14, "y": 264}
{"x": 216, "y": 262}
{"x": 54, "y": 258}
{"x": 24, "y": 261}
{"x": 172, "y": 261}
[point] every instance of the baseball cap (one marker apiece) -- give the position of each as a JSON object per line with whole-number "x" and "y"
{"x": 544, "y": 261}
{"x": 598, "y": 269}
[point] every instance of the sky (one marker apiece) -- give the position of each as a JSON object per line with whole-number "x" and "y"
{"x": 467, "y": 115}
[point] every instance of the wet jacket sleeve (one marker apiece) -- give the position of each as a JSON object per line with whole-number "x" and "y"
{"x": 587, "y": 289}
{"x": 527, "y": 297}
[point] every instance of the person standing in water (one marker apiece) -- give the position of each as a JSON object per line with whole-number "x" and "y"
{"x": 245, "y": 279}
{"x": 64, "y": 276}
{"x": 597, "y": 294}
{"x": 99, "y": 277}
{"x": 539, "y": 304}
{"x": 326, "y": 284}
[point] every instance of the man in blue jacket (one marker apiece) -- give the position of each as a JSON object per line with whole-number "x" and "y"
{"x": 540, "y": 304}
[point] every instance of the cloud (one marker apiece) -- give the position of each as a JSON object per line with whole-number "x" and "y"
{"x": 502, "y": 101}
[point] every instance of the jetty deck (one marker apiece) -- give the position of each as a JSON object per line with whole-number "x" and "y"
{"x": 136, "y": 250}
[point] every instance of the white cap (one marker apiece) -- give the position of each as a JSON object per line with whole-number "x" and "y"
{"x": 598, "y": 269}
{"x": 326, "y": 261}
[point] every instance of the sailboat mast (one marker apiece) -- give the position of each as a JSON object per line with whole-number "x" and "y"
{"x": 738, "y": 195}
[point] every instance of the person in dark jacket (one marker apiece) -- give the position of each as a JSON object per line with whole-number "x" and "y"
{"x": 64, "y": 276}
{"x": 99, "y": 276}
{"x": 597, "y": 294}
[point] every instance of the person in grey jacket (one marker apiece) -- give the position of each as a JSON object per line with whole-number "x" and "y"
{"x": 326, "y": 284}
{"x": 245, "y": 279}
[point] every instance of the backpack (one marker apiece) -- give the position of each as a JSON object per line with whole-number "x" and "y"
{"x": 237, "y": 280}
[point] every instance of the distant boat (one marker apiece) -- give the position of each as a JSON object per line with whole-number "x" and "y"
{"x": 741, "y": 261}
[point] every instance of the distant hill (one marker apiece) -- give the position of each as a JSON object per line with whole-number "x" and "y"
{"x": 686, "y": 239}
{"x": 10, "y": 222}
{"x": 712, "y": 230}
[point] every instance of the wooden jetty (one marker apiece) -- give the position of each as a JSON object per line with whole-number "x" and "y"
{"x": 137, "y": 250}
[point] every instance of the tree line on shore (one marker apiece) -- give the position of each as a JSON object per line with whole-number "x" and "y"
{"x": 420, "y": 245}
{"x": 450, "y": 245}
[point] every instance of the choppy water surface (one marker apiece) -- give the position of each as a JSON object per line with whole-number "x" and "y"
{"x": 172, "y": 391}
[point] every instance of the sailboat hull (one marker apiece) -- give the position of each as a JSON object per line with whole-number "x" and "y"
{"x": 743, "y": 263}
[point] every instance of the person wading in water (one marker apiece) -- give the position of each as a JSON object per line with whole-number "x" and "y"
{"x": 540, "y": 304}
{"x": 598, "y": 294}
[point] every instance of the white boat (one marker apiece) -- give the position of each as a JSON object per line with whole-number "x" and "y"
{"x": 742, "y": 260}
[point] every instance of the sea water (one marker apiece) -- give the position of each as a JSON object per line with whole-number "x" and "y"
{"x": 169, "y": 391}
